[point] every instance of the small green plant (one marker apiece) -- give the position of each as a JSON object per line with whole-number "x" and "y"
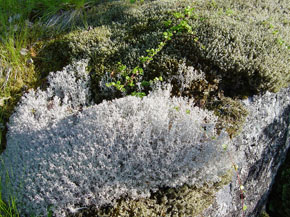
{"x": 134, "y": 1}
{"x": 7, "y": 208}
{"x": 129, "y": 79}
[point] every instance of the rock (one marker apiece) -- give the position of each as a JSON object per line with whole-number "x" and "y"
{"x": 75, "y": 148}
{"x": 279, "y": 201}
{"x": 259, "y": 150}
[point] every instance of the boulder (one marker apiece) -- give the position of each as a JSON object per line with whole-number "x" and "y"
{"x": 80, "y": 148}
{"x": 279, "y": 202}
{"x": 260, "y": 149}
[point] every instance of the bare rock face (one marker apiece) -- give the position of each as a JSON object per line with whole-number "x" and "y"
{"x": 260, "y": 149}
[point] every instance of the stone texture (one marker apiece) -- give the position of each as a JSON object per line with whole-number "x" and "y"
{"x": 260, "y": 150}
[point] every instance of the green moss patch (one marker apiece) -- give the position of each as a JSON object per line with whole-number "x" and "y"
{"x": 57, "y": 53}
{"x": 246, "y": 43}
{"x": 232, "y": 115}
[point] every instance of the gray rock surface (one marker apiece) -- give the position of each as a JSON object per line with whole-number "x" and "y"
{"x": 259, "y": 151}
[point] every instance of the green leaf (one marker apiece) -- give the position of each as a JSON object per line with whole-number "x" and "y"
{"x": 187, "y": 111}
{"x": 145, "y": 83}
{"x": 245, "y": 207}
{"x": 225, "y": 146}
{"x": 138, "y": 94}
{"x": 167, "y": 23}
{"x": 135, "y": 70}
{"x": 141, "y": 72}
{"x": 121, "y": 67}
{"x": 178, "y": 15}
{"x": 108, "y": 85}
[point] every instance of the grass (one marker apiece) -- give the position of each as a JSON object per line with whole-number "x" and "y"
{"x": 7, "y": 208}
{"x": 22, "y": 24}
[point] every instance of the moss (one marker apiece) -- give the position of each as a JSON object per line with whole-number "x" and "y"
{"x": 244, "y": 42}
{"x": 232, "y": 115}
{"x": 243, "y": 48}
{"x": 264, "y": 214}
{"x": 57, "y": 53}
{"x": 20, "y": 81}
{"x": 180, "y": 201}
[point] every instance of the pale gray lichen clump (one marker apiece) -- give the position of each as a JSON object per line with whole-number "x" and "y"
{"x": 130, "y": 146}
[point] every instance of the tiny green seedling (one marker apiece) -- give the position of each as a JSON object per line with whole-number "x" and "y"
{"x": 129, "y": 78}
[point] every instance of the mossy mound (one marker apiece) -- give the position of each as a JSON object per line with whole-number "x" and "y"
{"x": 182, "y": 201}
{"x": 123, "y": 32}
{"x": 244, "y": 42}
{"x": 57, "y": 53}
{"x": 241, "y": 46}
{"x": 231, "y": 113}
{"x": 247, "y": 42}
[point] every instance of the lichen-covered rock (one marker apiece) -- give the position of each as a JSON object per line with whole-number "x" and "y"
{"x": 259, "y": 150}
{"x": 62, "y": 153}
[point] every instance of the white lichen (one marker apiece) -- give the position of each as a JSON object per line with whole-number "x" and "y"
{"x": 68, "y": 158}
